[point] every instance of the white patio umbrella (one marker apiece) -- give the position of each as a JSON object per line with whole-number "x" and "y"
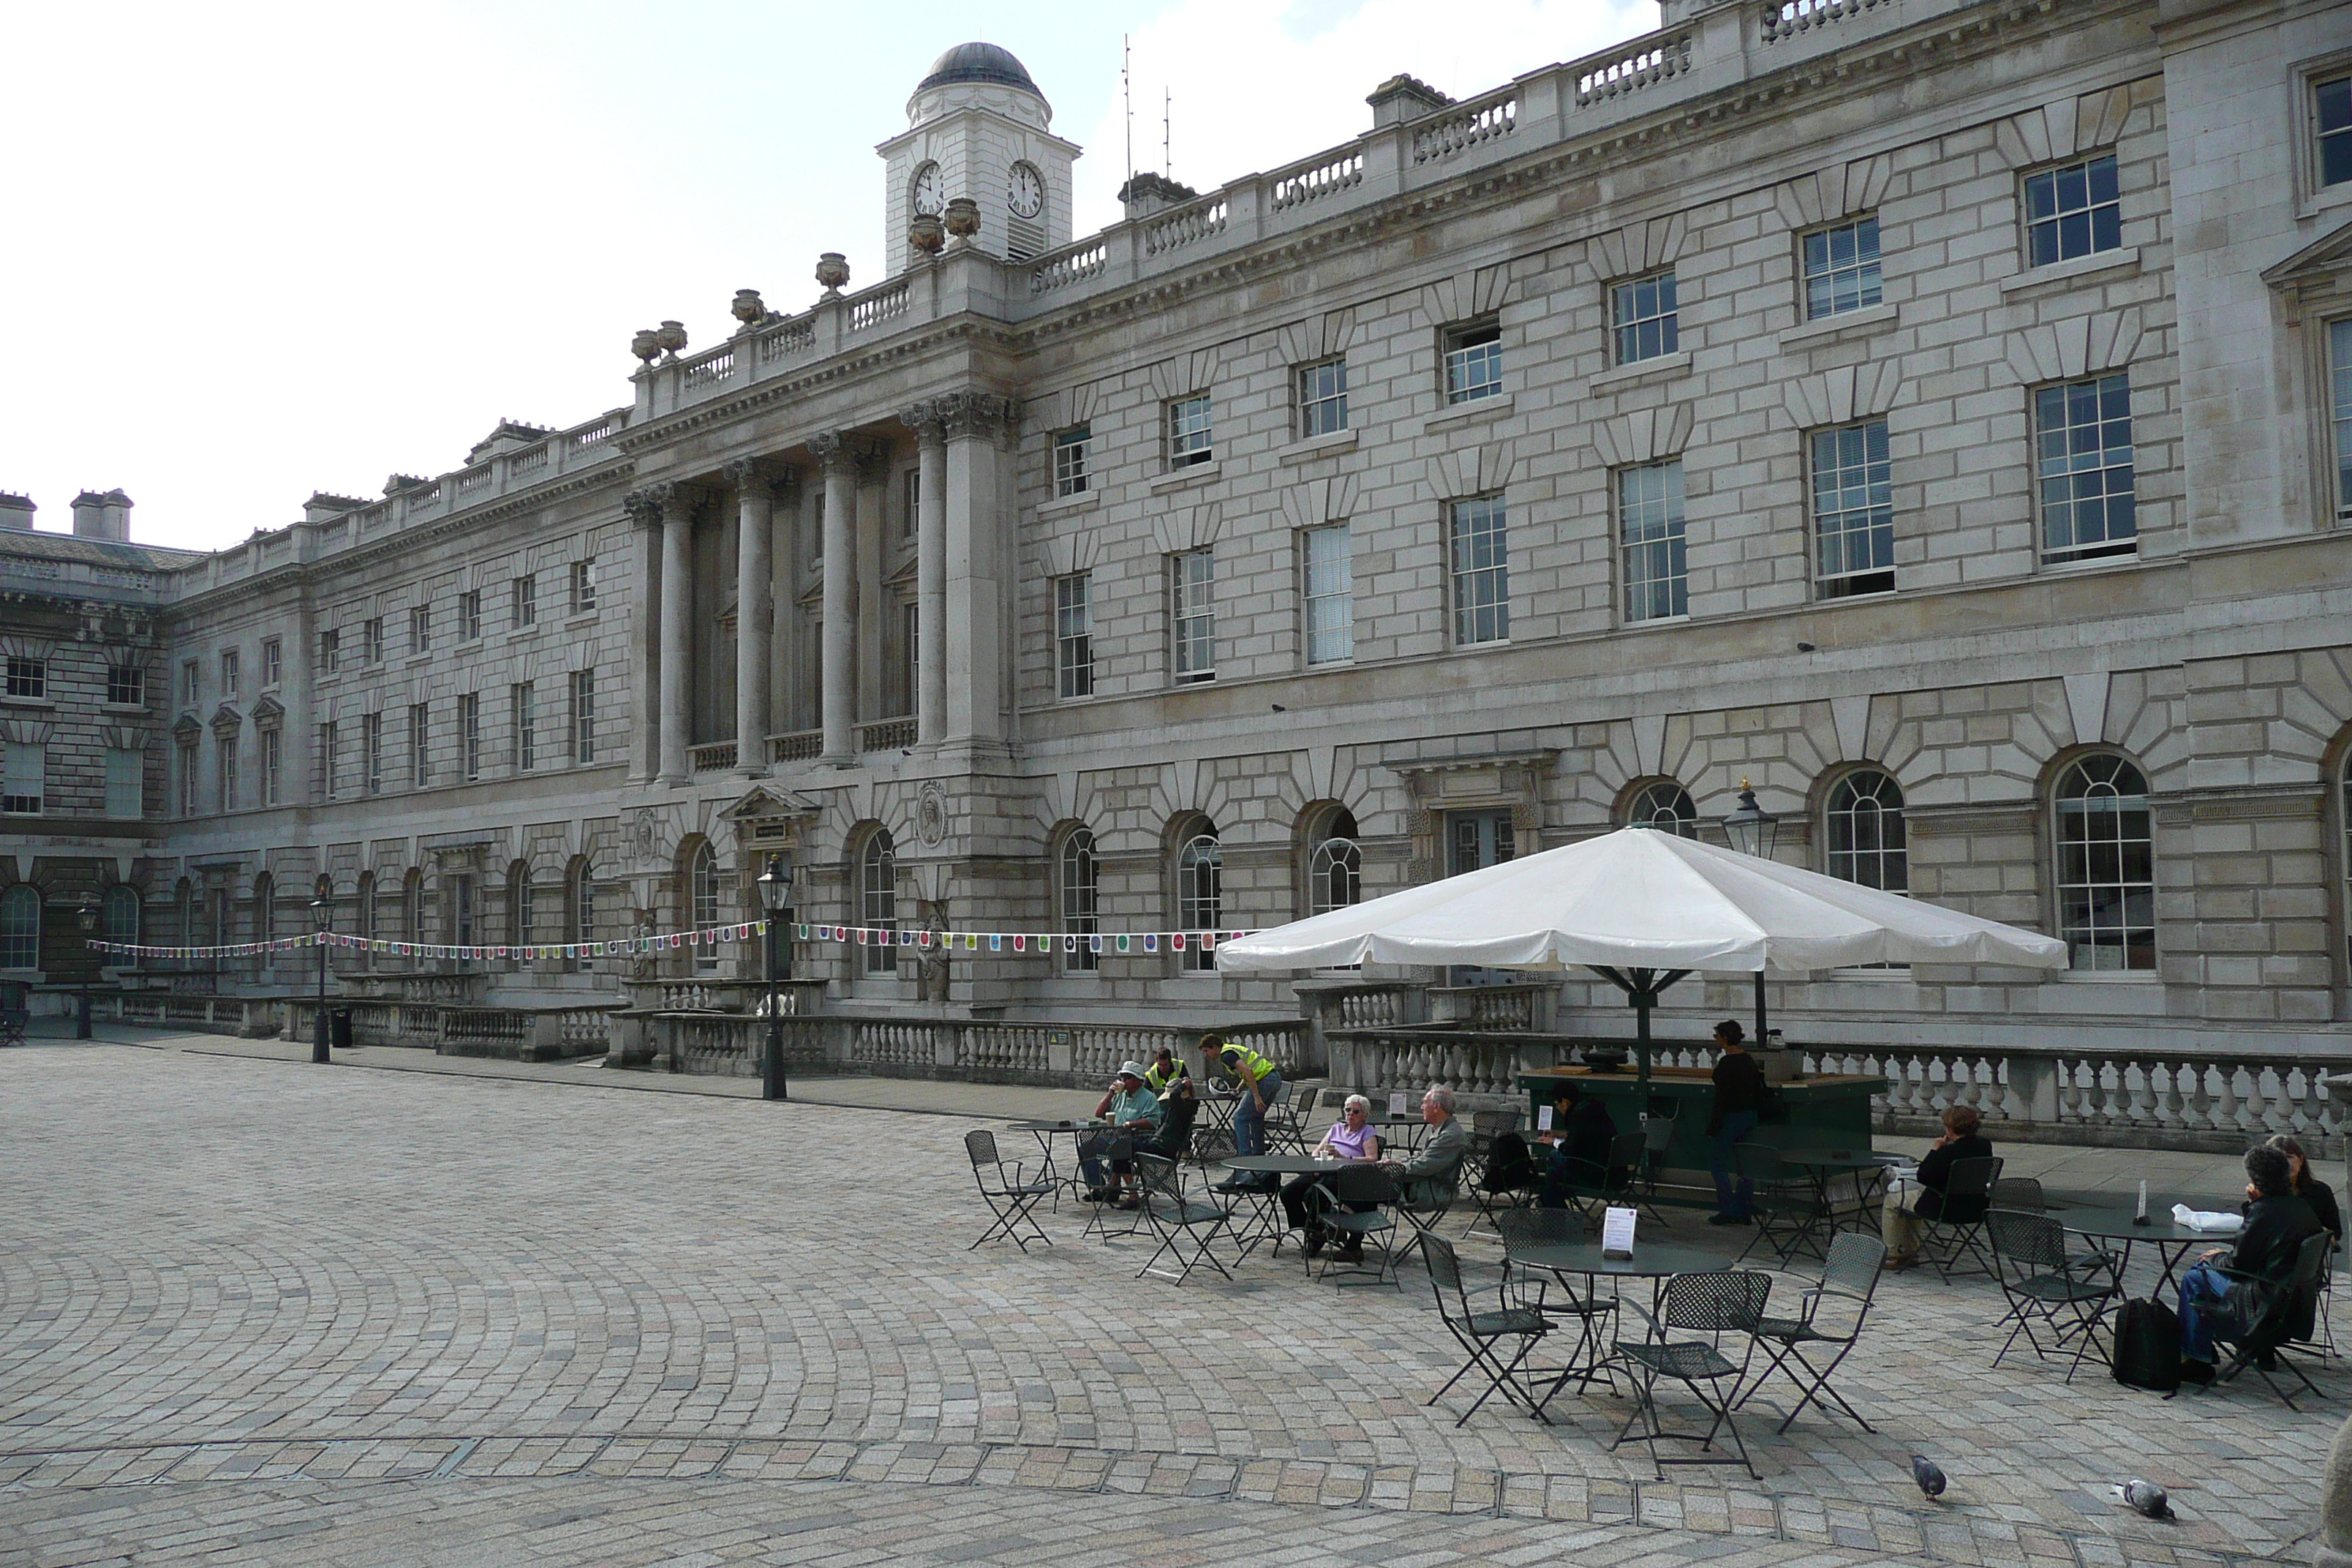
{"x": 1642, "y": 907}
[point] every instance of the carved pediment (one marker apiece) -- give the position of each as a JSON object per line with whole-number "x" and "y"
{"x": 268, "y": 712}
{"x": 2330, "y": 254}
{"x": 763, "y": 802}
{"x": 188, "y": 730}
{"x": 227, "y": 720}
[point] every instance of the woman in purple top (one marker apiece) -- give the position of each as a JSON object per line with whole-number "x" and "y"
{"x": 1350, "y": 1139}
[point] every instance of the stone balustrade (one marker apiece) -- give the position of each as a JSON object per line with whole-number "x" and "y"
{"x": 1054, "y": 1054}
{"x": 523, "y": 1034}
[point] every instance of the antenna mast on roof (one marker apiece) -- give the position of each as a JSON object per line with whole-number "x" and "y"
{"x": 1127, "y": 94}
{"x": 1167, "y": 132}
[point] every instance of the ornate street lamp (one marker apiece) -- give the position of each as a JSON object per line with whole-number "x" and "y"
{"x": 775, "y": 885}
{"x": 1752, "y": 830}
{"x": 85, "y": 917}
{"x": 322, "y": 920}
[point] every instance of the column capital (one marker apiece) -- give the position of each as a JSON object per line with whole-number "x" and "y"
{"x": 744, "y": 472}
{"x": 925, "y": 419}
{"x": 836, "y": 452}
{"x": 982, "y": 414}
{"x": 666, "y": 499}
{"x": 644, "y": 507}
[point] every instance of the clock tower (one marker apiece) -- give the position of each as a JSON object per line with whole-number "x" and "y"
{"x": 977, "y": 126}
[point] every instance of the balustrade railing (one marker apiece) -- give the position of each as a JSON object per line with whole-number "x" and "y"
{"x": 1631, "y": 68}
{"x": 878, "y": 306}
{"x": 801, "y": 747}
{"x": 473, "y": 479}
{"x": 710, "y": 369}
{"x": 1173, "y": 231}
{"x": 717, "y": 756}
{"x": 1458, "y": 130}
{"x": 530, "y": 460}
{"x": 1786, "y": 18}
{"x": 792, "y": 338}
{"x": 1074, "y": 264}
{"x": 1080, "y": 1054}
{"x": 590, "y": 435}
{"x": 887, "y": 735}
{"x": 1321, "y": 178}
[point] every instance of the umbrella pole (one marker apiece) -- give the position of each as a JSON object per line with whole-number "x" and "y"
{"x": 1763, "y": 1039}
{"x": 1643, "y": 995}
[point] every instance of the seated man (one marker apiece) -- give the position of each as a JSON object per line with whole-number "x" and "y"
{"x": 1165, "y": 1069}
{"x": 2277, "y": 1225}
{"x": 1963, "y": 1138}
{"x": 1177, "y": 1107}
{"x": 1350, "y": 1138}
{"x": 1430, "y": 1177}
{"x": 1581, "y": 1131}
{"x": 1133, "y": 1112}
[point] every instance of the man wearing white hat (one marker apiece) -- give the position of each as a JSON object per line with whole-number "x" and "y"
{"x": 1134, "y": 1112}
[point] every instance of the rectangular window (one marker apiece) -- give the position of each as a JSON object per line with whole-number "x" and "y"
{"x": 1853, "y": 512}
{"x": 330, "y": 776}
{"x": 273, "y": 662}
{"x": 910, "y": 641}
{"x": 526, "y": 726}
{"x": 1327, "y": 577}
{"x": 372, "y": 753}
{"x": 1842, "y": 268}
{"x": 1188, "y": 432}
{"x": 126, "y": 686}
{"x": 225, "y": 748}
{"x": 583, "y": 585}
{"x": 1474, "y": 362}
{"x": 2332, "y": 112}
{"x": 1070, "y": 450}
{"x": 910, "y": 494}
{"x": 470, "y": 615}
{"x": 420, "y": 628}
{"x": 526, "y": 601}
{"x": 126, "y": 783}
{"x": 1192, "y": 615}
{"x": 1073, "y": 643}
{"x": 1481, "y": 571}
{"x": 273, "y": 759}
{"x": 21, "y": 790}
{"x": 420, "y": 745}
{"x": 191, "y": 679}
{"x": 331, "y": 659}
{"x": 1643, "y": 314}
{"x": 371, "y": 641}
{"x": 2072, "y": 211}
{"x": 1322, "y": 398}
{"x": 470, "y": 735}
{"x": 1650, "y": 538}
{"x": 187, "y": 751}
{"x": 583, "y": 715}
{"x": 2339, "y": 370}
{"x": 28, "y": 676}
{"x": 2083, "y": 464}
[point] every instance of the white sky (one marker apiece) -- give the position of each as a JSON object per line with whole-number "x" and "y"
{"x": 261, "y": 250}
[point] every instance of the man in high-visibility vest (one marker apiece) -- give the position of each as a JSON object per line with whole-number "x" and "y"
{"x": 1259, "y": 1081}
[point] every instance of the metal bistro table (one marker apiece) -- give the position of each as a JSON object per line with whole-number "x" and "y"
{"x": 1213, "y": 1133}
{"x": 1823, "y": 1166}
{"x": 1046, "y": 1131}
{"x": 1269, "y": 1226}
{"x": 2108, "y": 1223}
{"x": 1655, "y": 1261}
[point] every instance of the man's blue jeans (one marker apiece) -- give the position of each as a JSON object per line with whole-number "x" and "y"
{"x": 2201, "y": 1283}
{"x": 1736, "y": 1201}
{"x": 1249, "y": 1123}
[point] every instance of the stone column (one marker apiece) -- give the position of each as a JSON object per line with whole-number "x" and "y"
{"x": 755, "y": 521}
{"x": 930, "y": 573}
{"x": 974, "y": 548}
{"x": 676, "y": 622}
{"x": 644, "y": 632}
{"x": 840, "y": 674}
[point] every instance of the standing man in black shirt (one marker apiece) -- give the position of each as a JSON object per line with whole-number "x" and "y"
{"x": 1739, "y": 1101}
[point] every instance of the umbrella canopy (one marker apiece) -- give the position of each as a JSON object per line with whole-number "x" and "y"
{"x": 1641, "y": 898}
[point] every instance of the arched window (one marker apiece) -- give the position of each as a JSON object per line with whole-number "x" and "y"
{"x": 1864, "y": 832}
{"x": 412, "y": 905}
{"x": 1334, "y": 866}
{"x": 1080, "y": 892}
{"x": 183, "y": 911}
{"x": 2106, "y": 865}
{"x": 1664, "y": 805}
{"x": 364, "y": 916}
{"x": 581, "y": 895}
{"x": 1199, "y": 893}
{"x": 20, "y": 928}
{"x": 265, "y": 908}
{"x": 517, "y": 903}
{"x": 702, "y": 894}
{"x": 224, "y": 919}
{"x": 877, "y": 896}
{"x": 119, "y": 913}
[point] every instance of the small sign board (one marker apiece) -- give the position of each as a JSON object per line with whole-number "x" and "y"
{"x": 1543, "y": 1118}
{"x": 1617, "y": 1234}
{"x": 1396, "y": 1103}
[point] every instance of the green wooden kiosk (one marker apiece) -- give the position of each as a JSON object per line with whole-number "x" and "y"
{"x": 1826, "y": 1110}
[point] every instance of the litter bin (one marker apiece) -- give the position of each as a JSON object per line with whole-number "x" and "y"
{"x": 338, "y": 1028}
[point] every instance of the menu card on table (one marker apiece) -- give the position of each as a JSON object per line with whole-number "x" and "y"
{"x": 1396, "y": 1103}
{"x": 1617, "y": 1234}
{"x": 1543, "y": 1118}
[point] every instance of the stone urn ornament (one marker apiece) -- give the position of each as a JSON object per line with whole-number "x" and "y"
{"x": 963, "y": 219}
{"x": 927, "y": 232}
{"x": 749, "y": 308}
{"x": 833, "y": 271}
{"x": 671, "y": 335}
{"x": 646, "y": 344}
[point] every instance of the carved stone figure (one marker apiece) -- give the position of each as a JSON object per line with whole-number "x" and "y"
{"x": 931, "y": 963}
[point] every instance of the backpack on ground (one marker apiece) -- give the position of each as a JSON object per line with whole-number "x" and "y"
{"x": 2147, "y": 1346}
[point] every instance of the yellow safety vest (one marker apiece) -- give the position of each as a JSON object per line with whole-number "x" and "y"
{"x": 1235, "y": 1056}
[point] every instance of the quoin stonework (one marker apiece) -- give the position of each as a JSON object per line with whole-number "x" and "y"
{"x": 1936, "y": 413}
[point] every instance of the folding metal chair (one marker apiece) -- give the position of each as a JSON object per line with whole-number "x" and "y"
{"x": 1011, "y": 1199}
{"x": 1485, "y": 1126}
{"x": 1786, "y": 1204}
{"x": 1960, "y": 1220}
{"x": 1531, "y": 1287}
{"x": 1510, "y": 1180}
{"x": 1480, "y": 1333}
{"x": 1117, "y": 1150}
{"x": 1730, "y": 1301}
{"x": 1286, "y": 1121}
{"x": 1849, "y": 1282}
{"x": 1362, "y": 1183}
{"x": 2285, "y": 1327}
{"x": 1177, "y": 1220}
{"x": 1657, "y": 1136}
{"x": 2031, "y": 1265}
{"x": 1590, "y": 1189}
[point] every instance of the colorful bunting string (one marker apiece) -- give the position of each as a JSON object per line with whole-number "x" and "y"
{"x": 1022, "y": 943}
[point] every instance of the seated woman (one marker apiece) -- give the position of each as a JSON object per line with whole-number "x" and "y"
{"x": 1350, "y": 1139}
{"x": 1962, "y": 1140}
{"x": 2310, "y": 1188}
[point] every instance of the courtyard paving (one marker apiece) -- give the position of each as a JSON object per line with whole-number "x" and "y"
{"x": 256, "y": 1312}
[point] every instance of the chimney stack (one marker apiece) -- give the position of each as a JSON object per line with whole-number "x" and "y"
{"x": 105, "y": 516}
{"x": 1149, "y": 194}
{"x": 15, "y": 512}
{"x": 1403, "y": 98}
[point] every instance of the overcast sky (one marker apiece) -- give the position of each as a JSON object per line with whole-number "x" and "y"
{"x": 257, "y": 251}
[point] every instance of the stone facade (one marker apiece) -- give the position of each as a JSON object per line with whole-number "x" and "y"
{"x": 841, "y": 558}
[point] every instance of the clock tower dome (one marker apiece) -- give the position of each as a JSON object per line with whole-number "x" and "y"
{"x": 977, "y": 126}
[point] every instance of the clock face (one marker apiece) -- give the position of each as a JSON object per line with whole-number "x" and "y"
{"x": 1028, "y": 192}
{"x": 926, "y": 188}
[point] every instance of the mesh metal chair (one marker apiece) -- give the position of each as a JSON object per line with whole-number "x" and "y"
{"x": 1716, "y": 1304}
{"x": 1657, "y": 1136}
{"x": 1180, "y": 1224}
{"x": 1959, "y": 1223}
{"x": 2031, "y": 1265}
{"x": 1787, "y": 1206}
{"x": 2021, "y": 1192}
{"x": 1286, "y": 1120}
{"x": 1483, "y": 1334}
{"x": 1359, "y": 1185}
{"x": 1118, "y": 1149}
{"x": 1591, "y": 1189}
{"x": 1508, "y": 1180}
{"x": 1849, "y": 1282}
{"x": 2284, "y": 1326}
{"x": 1548, "y": 1292}
{"x": 1485, "y": 1126}
{"x": 1009, "y": 1197}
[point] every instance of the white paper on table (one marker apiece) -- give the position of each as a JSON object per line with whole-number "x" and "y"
{"x": 2207, "y": 1222}
{"x": 1543, "y": 1120}
{"x": 1617, "y": 1233}
{"x": 1396, "y": 1103}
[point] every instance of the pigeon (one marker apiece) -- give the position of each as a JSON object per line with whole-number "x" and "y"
{"x": 2145, "y": 1497}
{"x": 1930, "y": 1479}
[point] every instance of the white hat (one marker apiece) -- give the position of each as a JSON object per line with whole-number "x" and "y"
{"x": 1130, "y": 1069}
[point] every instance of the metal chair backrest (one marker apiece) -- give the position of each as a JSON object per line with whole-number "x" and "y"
{"x": 1508, "y": 1161}
{"x": 1971, "y": 1179}
{"x": 1493, "y": 1124}
{"x": 1444, "y": 1274}
{"x": 1759, "y": 1164}
{"x": 2019, "y": 1192}
{"x": 1853, "y": 1263}
{"x": 1542, "y": 1227}
{"x": 1625, "y": 1150}
{"x": 1362, "y": 1183}
{"x": 1158, "y": 1176}
{"x": 2029, "y": 1240}
{"x": 1717, "y": 1301}
{"x": 981, "y": 1147}
{"x": 1657, "y": 1133}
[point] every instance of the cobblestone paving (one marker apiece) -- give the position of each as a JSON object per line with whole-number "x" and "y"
{"x": 256, "y": 1312}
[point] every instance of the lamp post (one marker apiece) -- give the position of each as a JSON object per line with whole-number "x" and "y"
{"x": 85, "y": 917}
{"x": 775, "y": 885}
{"x": 322, "y": 918}
{"x": 1753, "y": 830}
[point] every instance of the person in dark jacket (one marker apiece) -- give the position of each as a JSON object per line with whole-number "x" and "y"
{"x": 1740, "y": 1095}
{"x": 2310, "y": 1188}
{"x": 1963, "y": 1138}
{"x": 1581, "y": 1131}
{"x": 2277, "y": 1225}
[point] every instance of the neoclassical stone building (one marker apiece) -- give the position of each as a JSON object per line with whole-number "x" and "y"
{"x": 1937, "y": 413}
